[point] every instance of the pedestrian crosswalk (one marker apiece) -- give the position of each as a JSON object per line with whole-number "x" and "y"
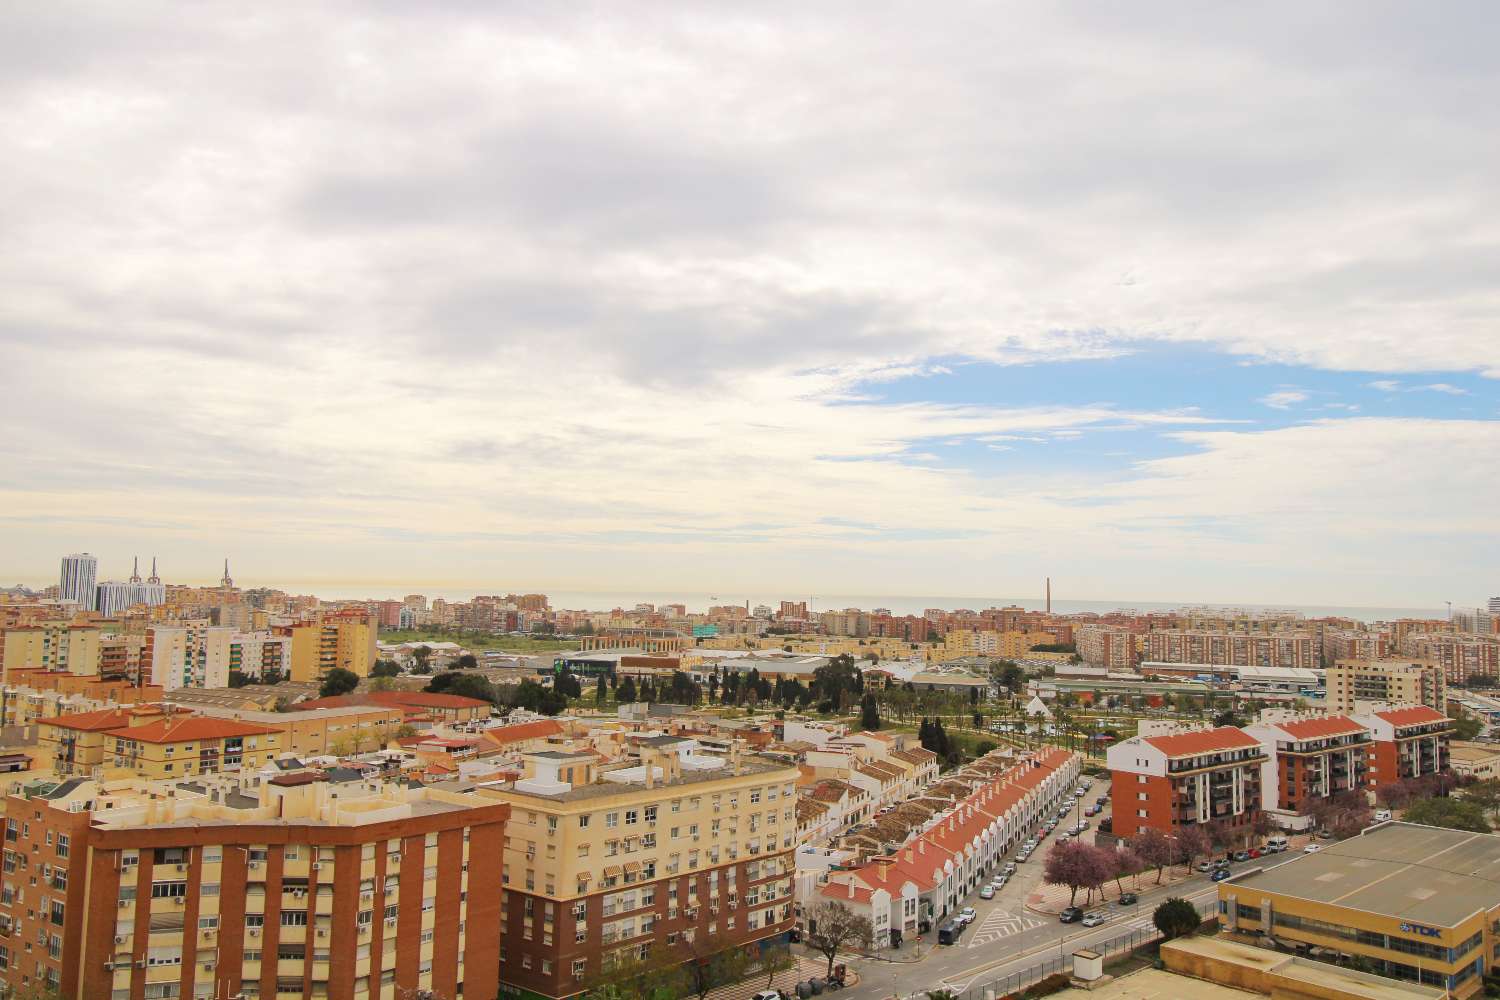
{"x": 1001, "y": 924}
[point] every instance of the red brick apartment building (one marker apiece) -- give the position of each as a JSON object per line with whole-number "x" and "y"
{"x": 299, "y": 887}
{"x": 1408, "y": 741}
{"x": 1209, "y": 778}
{"x": 1311, "y": 758}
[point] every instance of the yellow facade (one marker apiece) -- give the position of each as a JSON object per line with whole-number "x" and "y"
{"x": 334, "y": 642}
{"x": 51, "y": 646}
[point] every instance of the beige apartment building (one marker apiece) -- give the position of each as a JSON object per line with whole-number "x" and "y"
{"x": 1396, "y": 682}
{"x": 673, "y": 852}
{"x": 52, "y": 645}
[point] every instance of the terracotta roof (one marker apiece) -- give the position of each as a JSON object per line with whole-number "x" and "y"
{"x": 915, "y": 755}
{"x": 91, "y": 722}
{"x": 810, "y": 809}
{"x": 829, "y": 791}
{"x": 191, "y": 728}
{"x": 540, "y": 729}
{"x": 409, "y": 700}
{"x": 1416, "y": 715}
{"x": 1318, "y": 729}
{"x": 1203, "y": 741}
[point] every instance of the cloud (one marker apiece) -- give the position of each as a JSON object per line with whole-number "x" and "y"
{"x": 1283, "y": 399}
{"x": 288, "y": 284}
{"x": 1445, "y": 388}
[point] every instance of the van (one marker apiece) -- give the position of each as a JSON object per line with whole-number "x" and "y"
{"x": 949, "y": 932}
{"x": 1276, "y": 843}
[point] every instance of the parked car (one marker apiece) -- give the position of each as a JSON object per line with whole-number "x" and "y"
{"x": 1204, "y": 866}
{"x": 1325, "y": 834}
{"x": 1255, "y": 852}
{"x": 1382, "y": 815}
{"x": 1091, "y": 811}
{"x": 999, "y": 881}
{"x": 987, "y": 892}
{"x": 967, "y": 914}
{"x": 1242, "y": 855}
{"x": 1009, "y": 869}
{"x": 1312, "y": 848}
{"x": 1127, "y": 899}
{"x": 1071, "y": 915}
{"x": 1093, "y": 919}
{"x": 1219, "y": 875}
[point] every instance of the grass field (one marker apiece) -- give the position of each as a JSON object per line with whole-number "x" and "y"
{"x": 481, "y": 640}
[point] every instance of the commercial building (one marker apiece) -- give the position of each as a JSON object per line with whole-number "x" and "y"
{"x": 1309, "y": 758}
{"x": 673, "y": 851}
{"x": 1209, "y": 778}
{"x": 1406, "y": 742}
{"x": 77, "y": 580}
{"x": 217, "y": 888}
{"x": 115, "y": 597}
{"x": 1415, "y": 903}
{"x": 1395, "y": 682}
{"x": 190, "y": 654}
{"x": 1479, "y": 761}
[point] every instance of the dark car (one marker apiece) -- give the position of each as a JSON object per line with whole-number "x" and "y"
{"x": 1219, "y": 875}
{"x": 1071, "y": 915}
{"x": 1127, "y": 899}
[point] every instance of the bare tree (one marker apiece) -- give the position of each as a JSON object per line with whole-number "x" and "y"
{"x": 834, "y": 927}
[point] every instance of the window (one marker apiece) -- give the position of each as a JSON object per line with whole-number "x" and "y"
{"x": 611, "y": 820}
{"x": 63, "y": 842}
{"x": 583, "y": 821}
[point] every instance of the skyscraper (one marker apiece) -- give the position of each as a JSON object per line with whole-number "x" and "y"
{"x": 1495, "y": 605}
{"x": 77, "y": 582}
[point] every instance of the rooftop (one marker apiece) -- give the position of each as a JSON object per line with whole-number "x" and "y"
{"x": 1318, "y": 729}
{"x": 749, "y": 765}
{"x": 1424, "y": 874}
{"x": 1203, "y": 741}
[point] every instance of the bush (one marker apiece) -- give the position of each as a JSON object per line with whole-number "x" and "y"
{"x": 1176, "y": 918}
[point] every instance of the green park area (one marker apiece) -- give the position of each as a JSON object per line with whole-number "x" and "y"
{"x": 474, "y": 640}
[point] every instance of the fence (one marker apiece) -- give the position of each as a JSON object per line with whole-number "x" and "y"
{"x": 1003, "y": 986}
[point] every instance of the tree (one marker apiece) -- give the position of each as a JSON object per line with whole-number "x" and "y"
{"x": 838, "y": 681}
{"x": 1191, "y": 842}
{"x": 774, "y": 960}
{"x": 338, "y": 681}
{"x": 466, "y": 661}
{"x": 381, "y": 684}
{"x": 1454, "y": 814}
{"x": 1176, "y": 918}
{"x": 464, "y": 685}
{"x": 1127, "y": 863}
{"x": 833, "y": 927}
{"x": 601, "y": 690}
{"x": 1393, "y": 795}
{"x": 869, "y": 713}
{"x": 385, "y": 668}
{"x": 1078, "y": 866}
{"x": 625, "y": 693}
{"x": 1466, "y": 726}
{"x": 422, "y": 654}
{"x": 707, "y": 970}
{"x": 1484, "y": 794}
{"x": 566, "y": 684}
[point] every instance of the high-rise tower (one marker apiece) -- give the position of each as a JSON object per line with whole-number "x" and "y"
{"x": 153, "y": 578}
{"x": 227, "y": 583}
{"x": 77, "y": 580}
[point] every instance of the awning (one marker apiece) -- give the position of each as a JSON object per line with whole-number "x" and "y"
{"x": 611, "y": 871}
{"x": 584, "y": 876}
{"x": 631, "y": 867}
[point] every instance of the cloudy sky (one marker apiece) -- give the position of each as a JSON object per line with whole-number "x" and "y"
{"x": 854, "y": 298}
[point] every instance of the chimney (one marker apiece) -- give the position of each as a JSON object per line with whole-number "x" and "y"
{"x": 851, "y": 890}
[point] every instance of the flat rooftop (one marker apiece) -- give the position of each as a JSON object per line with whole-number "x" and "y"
{"x": 605, "y": 789}
{"x": 1289, "y": 975}
{"x": 1423, "y": 874}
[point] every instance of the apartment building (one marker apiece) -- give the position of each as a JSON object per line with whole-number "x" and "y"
{"x": 1209, "y": 778}
{"x": 255, "y": 655}
{"x": 215, "y": 888}
{"x": 671, "y": 850}
{"x": 1406, "y": 741}
{"x": 343, "y": 639}
{"x": 1395, "y": 682}
{"x": 1108, "y": 646}
{"x": 1277, "y": 649}
{"x": 54, "y": 645}
{"x": 189, "y": 654}
{"x": 1460, "y": 656}
{"x": 1354, "y": 644}
{"x": 1309, "y": 758}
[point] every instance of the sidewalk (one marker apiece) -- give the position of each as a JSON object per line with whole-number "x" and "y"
{"x": 1052, "y": 899}
{"x": 808, "y": 966}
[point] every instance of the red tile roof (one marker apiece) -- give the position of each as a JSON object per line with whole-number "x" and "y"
{"x": 91, "y": 722}
{"x": 540, "y": 729}
{"x": 1204, "y": 741}
{"x": 1320, "y": 729}
{"x": 1416, "y": 715}
{"x": 407, "y": 700}
{"x": 191, "y": 728}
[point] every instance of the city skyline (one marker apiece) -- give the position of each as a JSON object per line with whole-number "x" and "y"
{"x": 1180, "y": 308}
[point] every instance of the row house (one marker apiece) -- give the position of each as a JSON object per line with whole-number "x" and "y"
{"x": 1209, "y": 778}
{"x": 927, "y": 878}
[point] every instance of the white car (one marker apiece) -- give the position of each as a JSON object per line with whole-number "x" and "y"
{"x": 1312, "y": 848}
{"x": 967, "y": 914}
{"x": 1382, "y": 815}
{"x": 1093, "y": 919}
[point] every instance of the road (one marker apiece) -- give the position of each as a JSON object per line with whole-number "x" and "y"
{"x": 1007, "y": 938}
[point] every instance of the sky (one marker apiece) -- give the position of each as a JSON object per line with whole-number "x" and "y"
{"x": 1165, "y": 301}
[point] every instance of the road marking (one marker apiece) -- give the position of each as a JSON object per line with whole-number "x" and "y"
{"x": 1001, "y": 924}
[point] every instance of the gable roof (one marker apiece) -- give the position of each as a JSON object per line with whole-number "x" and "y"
{"x": 1415, "y": 715}
{"x": 1318, "y": 729}
{"x": 90, "y": 722}
{"x": 541, "y": 729}
{"x": 1203, "y": 741}
{"x": 191, "y": 728}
